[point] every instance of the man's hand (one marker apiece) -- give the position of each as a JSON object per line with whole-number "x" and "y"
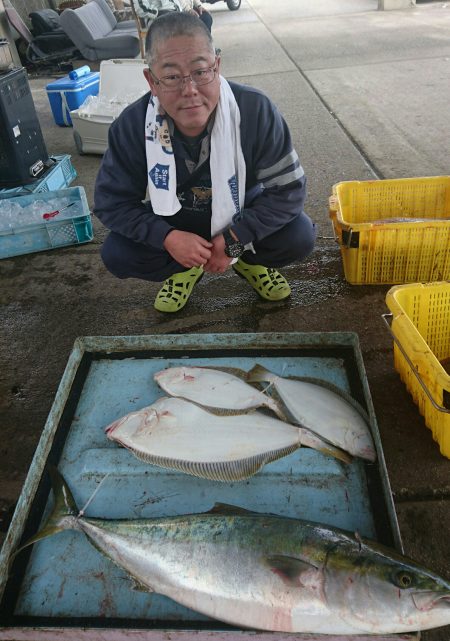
{"x": 200, "y": 9}
{"x": 187, "y": 249}
{"x": 219, "y": 261}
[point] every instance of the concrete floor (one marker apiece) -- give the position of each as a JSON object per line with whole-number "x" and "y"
{"x": 366, "y": 95}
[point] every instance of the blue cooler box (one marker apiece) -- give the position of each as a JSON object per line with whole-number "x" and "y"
{"x": 65, "y": 95}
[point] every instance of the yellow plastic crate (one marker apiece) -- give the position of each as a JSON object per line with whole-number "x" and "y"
{"x": 421, "y": 331}
{"x": 376, "y": 250}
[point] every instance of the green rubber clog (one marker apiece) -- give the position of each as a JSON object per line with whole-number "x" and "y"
{"x": 267, "y": 281}
{"x": 175, "y": 292}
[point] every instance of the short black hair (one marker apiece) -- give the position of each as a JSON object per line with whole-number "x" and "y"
{"x": 171, "y": 25}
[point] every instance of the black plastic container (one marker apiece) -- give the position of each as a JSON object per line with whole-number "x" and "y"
{"x": 23, "y": 154}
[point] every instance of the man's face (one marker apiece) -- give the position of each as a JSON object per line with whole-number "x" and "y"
{"x": 190, "y": 106}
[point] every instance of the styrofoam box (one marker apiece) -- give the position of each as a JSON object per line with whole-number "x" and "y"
{"x": 117, "y": 77}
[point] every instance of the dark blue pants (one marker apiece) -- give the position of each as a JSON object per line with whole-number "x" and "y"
{"x": 126, "y": 259}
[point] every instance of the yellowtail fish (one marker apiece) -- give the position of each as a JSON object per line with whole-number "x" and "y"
{"x": 265, "y": 572}
{"x": 323, "y": 409}
{"x": 214, "y": 388}
{"x": 177, "y": 434}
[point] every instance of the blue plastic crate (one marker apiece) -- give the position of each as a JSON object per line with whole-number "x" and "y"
{"x": 58, "y": 177}
{"x": 50, "y": 234}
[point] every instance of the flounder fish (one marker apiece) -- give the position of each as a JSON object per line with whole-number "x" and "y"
{"x": 215, "y": 388}
{"x": 265, "y": 572}
{"x": 322, "y": 408}
{"x": 177, "y": 434}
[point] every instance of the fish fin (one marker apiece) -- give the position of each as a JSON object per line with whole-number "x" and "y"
{"x": 234, "y": 371}
{"x": 238, "y": 470}
{"x": 280, "y": 411}
{"x": 289, "y": 569}
{"x": 258, "y": 374}
{"x": 137, "y": 586}
{"x": 224, "y": 471}
{"x": 315, "y": 442}
{"x": 228, "y": 509}
{"x": 279, "y": 407}
{"x": 64, "y": 505}
{"x": 220, "y": 411}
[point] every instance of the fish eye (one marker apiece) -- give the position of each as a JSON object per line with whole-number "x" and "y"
{"x": 403, "y": 579}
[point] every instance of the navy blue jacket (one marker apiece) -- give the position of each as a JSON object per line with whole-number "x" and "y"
{"x": 271, "y": 163}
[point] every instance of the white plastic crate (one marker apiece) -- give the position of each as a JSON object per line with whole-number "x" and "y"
{"x": 119, "y": 79}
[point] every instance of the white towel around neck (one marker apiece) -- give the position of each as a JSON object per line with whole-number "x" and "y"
{"x": 227, "y": 163}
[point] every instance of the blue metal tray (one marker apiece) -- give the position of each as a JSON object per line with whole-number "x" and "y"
{"x": 62, "y": 585}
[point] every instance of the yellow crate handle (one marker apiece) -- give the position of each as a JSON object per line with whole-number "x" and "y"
{"x": 440, "y": 408}
{"x": 334, "y": 236}
{"x": 349, "y": 238}
{"x": 333, "y": 204}
{"x": 333, "y": 208}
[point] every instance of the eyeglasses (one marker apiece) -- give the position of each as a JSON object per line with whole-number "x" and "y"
{"x": 198, "y": 77}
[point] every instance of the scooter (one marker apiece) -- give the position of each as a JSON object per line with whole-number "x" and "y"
{"x": 233, "y": 5}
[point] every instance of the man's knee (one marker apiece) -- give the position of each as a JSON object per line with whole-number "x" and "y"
{"x": 306, "y": 237}
{"x": 299, "y": 238}
{"x": 114, "y": 258}
{"x": 125, "y": 258}
{"x": 290, "y": 244}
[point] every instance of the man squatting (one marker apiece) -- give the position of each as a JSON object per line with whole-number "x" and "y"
{"x": 225, "y": 186}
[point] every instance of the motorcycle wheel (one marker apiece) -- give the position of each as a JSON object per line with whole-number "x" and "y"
{"x": 233, "y": 5}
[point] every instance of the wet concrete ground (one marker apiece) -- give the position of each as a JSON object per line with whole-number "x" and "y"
{"x": 335, "y": 71}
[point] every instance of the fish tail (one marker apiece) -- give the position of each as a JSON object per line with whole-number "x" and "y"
{"x": 279, "y": 409}
{"x": 258, "y": 374}
{"x": 64, "y": 505}
{"x": 309, "y": 439}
